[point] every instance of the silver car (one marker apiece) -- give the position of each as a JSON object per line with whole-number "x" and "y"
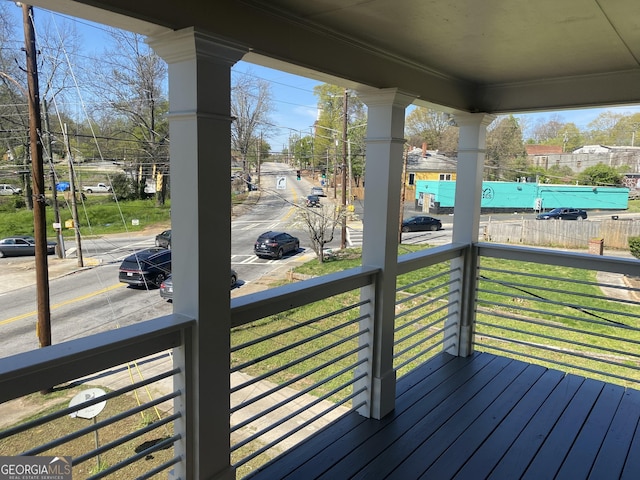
{"x": 166, "y": 287}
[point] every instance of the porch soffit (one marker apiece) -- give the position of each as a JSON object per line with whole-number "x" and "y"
{"x": 491, "y": 56}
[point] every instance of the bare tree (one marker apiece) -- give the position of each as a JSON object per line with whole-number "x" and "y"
{"x": 251, "y": 104}
{"x": 320, "y": 224}
{"x": 56, "y": 44}
{"x": 132, "y": 83}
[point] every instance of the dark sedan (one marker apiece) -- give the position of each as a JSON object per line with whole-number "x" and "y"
{"x": 563, "y": 214}
{"x": 22, "y": 245}
{"x": 146, "y": 268}
{"x": 275, "y": 244}
{"x": 164, "y": 239}
{"x": 421, "y": 223}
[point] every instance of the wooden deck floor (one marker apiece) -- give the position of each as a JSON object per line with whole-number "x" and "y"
{"x": 480, "y": 417}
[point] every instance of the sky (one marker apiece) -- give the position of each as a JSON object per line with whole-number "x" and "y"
{"x": 293, "y": 99}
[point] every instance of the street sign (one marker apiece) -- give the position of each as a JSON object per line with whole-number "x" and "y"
{"x": 281, "y": 183}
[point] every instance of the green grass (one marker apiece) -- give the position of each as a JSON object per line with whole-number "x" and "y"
{"x": 97, "y": 215}
{"x": 507, "y": 285}
{"x": 634, "y": 206}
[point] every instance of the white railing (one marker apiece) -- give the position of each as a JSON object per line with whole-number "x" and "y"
{"x": 297, "y": 357}
{"x": 427, "y": 308}
{"x": 136, "y": 435}
{"x": 569, "y": 311}
{"x": 294, "y": 370}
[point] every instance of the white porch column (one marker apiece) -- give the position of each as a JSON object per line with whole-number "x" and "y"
{"x": 200, "y": 126}
{"x": 466, "y": 224}
{"x": 383, "y": 182}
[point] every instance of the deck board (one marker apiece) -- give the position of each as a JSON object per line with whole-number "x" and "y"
{"x": 617, "y": 443}
{"x": 486, "y": 457}
{"x": 484, "y": 416}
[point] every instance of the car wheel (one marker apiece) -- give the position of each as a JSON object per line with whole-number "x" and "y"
{"x": 580, "y": 218}
{"x": 434, "y": 228}
{"x": 280, "y": 253}
{"x": 89, "y": 191}
{"x": 1, "y": 254}
{"x": 233, "y": 280}
{"x": 159, "y": 279}
{"x": 405, "y": 229}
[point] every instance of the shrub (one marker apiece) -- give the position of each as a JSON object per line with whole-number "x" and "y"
{"x": 634, "y": 246}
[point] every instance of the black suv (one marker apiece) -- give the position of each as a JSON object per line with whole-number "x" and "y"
{"x": 313, "y": 201}
{"x": 146, "y": 268}
{"x": 275, "y": 244}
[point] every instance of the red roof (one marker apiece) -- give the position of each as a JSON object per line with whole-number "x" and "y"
{"x": 543, "y": 149}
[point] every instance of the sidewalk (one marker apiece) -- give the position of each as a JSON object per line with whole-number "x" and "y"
{"x": 21, "y": 271}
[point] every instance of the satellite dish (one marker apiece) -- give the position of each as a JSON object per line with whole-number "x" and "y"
{"x": 84, "y": 396}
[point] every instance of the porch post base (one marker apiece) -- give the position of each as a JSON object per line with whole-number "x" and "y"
{"x": 383, "y": 395}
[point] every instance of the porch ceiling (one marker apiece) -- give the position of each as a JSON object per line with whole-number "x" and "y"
{"x": 492, "y": 56}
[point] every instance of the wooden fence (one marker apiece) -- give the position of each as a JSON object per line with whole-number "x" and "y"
{"x": 566, "y": 234}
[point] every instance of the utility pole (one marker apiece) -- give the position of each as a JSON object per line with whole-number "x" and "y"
{"x": 39, "y": 216}
{"x": 259, "y": 157}
{"x": 56, "y": 211}
{"x": 403, "y": 190}
{"x": 74, "y": 200}
{"x": 343, "y": 238}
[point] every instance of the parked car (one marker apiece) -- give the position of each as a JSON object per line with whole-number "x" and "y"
{"x": 22, "y": 245}
{"x": 563, "y": 214}
{"x": 318, "y": 191}
{"x": 99, "y": 187}
{"x": 166, "y": 287}
{"x": 313, "y": 201}
{"x": 146, "y": 268}
{"x": 164, "y": 239}
{"x": 6, "y": 189}
{"x": 421, "y": 223}
{"x": 275, "y": 244}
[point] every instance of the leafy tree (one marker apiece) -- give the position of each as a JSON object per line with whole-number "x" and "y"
{"x": 329, "y": 126}
{"x": 626, "y": 130}
{"x": 302, "y": 150}
{"x": 559, "y": 174}
{"x": 124, "y": 188}
{"x": 600, "y": 174}
{"x": 429, "y": 126}
{"x": 602, "y": 130}
{"x": 504, "y": 146}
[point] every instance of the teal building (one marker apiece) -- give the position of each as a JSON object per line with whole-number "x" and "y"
{"x": 438, "y": 196}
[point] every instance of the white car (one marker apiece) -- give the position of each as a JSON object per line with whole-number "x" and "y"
{"x": 6, "y": 189}
{"x": 100, "y": 187}
{"x": 317, "y": 191}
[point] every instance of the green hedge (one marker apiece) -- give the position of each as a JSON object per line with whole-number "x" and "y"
{"x": 634, "y": 246}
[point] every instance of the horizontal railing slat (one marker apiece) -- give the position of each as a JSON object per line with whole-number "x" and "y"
{"x": 248, "y": 308}
{"x": 41, "y": 369}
